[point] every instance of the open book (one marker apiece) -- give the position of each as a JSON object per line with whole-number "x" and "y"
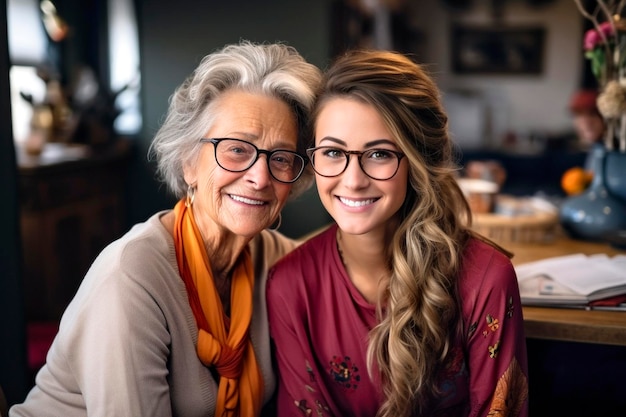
{"x": 572, "y": 279}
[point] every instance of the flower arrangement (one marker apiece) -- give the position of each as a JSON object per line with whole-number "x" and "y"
{"x": 605, "y": 47}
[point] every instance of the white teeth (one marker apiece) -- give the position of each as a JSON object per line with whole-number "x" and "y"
{"x": 353, "y": 203}
{"x": 246, "y": 200}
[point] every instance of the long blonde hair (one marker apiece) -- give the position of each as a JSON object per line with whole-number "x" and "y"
{"x": 420, "y": 313}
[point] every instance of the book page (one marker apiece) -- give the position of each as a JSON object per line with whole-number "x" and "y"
{"x": 577, "y": 274}
{"x": 542, "y": 290}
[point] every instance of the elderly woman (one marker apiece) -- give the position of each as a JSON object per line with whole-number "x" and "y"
{"x": 170, "y": 319}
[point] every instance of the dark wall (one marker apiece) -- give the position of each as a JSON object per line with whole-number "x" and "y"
{"x": 174, "y": 36}
{"x": 12, "y": 329}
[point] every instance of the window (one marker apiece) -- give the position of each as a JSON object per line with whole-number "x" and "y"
{"x": 31, "y": 48}
{"x": 28, "y": 49}
{"x": 124, "y": 64}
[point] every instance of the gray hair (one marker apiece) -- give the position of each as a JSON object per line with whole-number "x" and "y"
{"x": 275, "y": 70}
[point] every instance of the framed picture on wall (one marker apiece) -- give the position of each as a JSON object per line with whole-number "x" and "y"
{"x": 499, "y": 50}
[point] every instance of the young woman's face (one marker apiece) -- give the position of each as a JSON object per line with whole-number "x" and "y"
{"x": 242, "y": 203}
{"x": 358, "y": 203}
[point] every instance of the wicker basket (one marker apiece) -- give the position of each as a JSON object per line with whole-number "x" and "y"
{"x": 530, "y": 225}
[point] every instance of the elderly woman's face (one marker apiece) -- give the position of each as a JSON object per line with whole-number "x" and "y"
{"x": 243, "y": 203}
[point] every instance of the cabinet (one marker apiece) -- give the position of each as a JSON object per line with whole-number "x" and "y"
{"x": 72, "y": 204}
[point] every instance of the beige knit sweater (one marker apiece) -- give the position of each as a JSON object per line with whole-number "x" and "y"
{"x": 126, "y": 344}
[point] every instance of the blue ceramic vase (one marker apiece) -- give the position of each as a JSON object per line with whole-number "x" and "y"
{"x": 598, "y": 214}
{"x": 615, "y": 174}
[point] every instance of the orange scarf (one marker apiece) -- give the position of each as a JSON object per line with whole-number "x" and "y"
{"x": 221, "y": 343}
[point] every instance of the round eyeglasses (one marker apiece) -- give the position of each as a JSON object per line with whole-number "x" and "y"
{"x": 378, "y": 164}
{"x": 236, "y": 155}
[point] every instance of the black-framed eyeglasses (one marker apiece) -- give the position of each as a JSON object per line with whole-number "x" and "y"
{"x": 236, "y": 155}
{"x": 378, "y": 164}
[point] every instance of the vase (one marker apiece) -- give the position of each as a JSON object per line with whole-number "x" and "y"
{"x": 598, "y": 214}
{"x": 615, "y": 174}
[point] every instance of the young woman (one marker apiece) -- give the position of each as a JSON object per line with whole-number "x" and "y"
{"x": 398, "y": 309}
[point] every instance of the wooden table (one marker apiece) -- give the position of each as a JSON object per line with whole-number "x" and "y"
{"x": 575, "y": 325}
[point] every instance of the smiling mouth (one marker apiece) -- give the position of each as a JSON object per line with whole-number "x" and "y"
{"x": 246, "y": 200}
{"x": 356, "y": 203}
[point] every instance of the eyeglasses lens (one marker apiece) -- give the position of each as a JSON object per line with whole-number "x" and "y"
{"x": 379, "y": 164}
{"x": 237, "y": 155}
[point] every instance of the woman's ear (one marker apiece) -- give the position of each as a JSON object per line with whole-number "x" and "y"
{"x": 190, "y": 174}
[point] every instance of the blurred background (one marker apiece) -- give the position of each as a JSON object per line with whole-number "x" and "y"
{"x": 85, "y": 84}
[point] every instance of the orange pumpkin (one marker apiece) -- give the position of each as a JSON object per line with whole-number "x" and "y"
{"x": 575, "y": 180}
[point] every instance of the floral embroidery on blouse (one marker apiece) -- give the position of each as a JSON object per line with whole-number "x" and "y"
{"x": 344, "y": 372}
{"x": 319, "y": 408}
{"x": 302, "y": 404}
{"x": 309, "y": 371}
{"x": 306, "y": 411}
{"x": 493, "y": 350}
{"x": 493, "y": 324}
{"x": 511, "y": 392}
{"x": 510, "y": 308}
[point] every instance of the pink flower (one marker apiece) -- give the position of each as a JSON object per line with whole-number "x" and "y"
{"x": 593, "y": 38}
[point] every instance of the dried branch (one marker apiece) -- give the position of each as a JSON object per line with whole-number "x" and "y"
{"x": 594, "y": 20}
{"x": 583, "y": 11}
{"x": 612, "y": 10}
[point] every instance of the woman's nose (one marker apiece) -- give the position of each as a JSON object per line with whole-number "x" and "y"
{"x": 353, "y": 176}
{"x": 259, "y": 173}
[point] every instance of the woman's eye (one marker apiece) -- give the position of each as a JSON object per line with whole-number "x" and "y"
{"x": 239, "y": 150}
{"x": 379, "y": 154}
{"x": 283, "y": 158}
{"x": 332, "y": 153}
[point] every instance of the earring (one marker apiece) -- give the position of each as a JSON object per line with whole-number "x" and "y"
{"x": 280, "y": 220}
{"x": 191, "y": 195}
